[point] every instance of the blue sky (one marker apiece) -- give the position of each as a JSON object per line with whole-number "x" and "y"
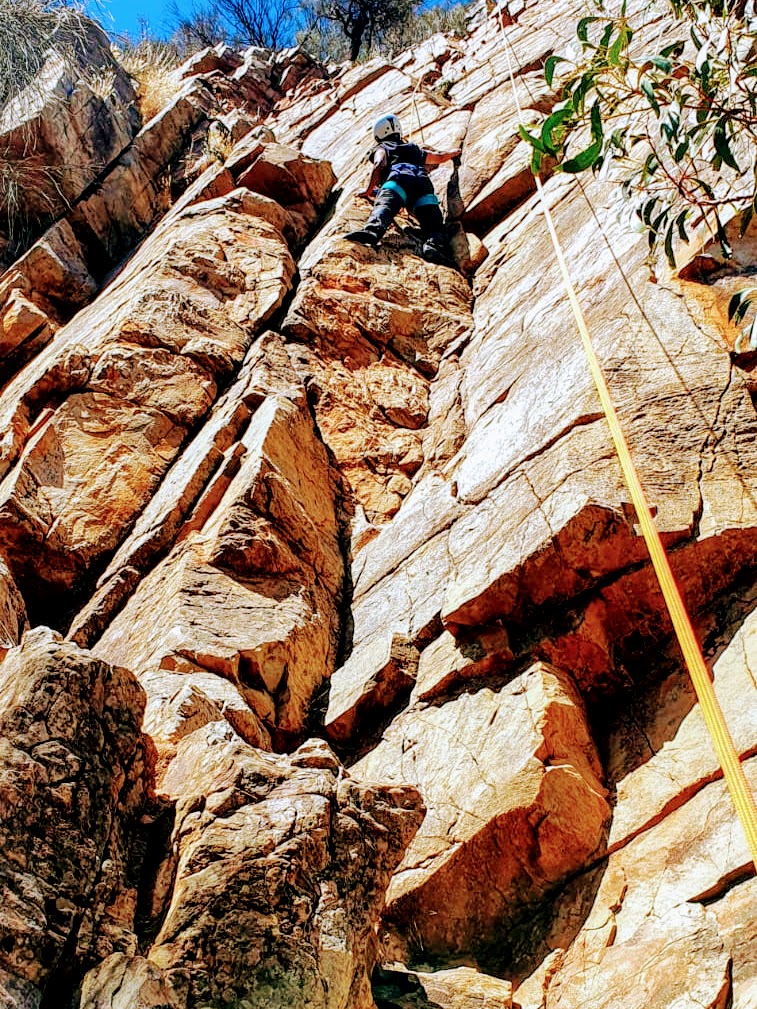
{"x": 123, "y": 16}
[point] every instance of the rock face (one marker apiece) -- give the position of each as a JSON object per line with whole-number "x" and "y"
{"x": 516, "y": 804}
{"x": 283, "y": 493}
{"x": 58, "y": 134}
{"x": 308, "y": 855}
{"x": 74, "y": 784}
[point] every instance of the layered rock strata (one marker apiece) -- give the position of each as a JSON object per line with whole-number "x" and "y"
{"x": 274, "y": 486}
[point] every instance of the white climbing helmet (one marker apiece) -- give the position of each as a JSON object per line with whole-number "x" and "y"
{"x": 386, "y": 126}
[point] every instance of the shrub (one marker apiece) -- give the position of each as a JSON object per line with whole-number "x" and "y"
{"x": 673, "y": 119}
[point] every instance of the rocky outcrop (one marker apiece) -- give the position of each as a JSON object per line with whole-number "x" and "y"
{"x": 516, "y": 804}
{"x": 62, "y": 129}
{"x": 303, "y": 490}
{"x": 74, "y": 787}
{"x": 251, "y": 590}
{"x": 307, "y": 854}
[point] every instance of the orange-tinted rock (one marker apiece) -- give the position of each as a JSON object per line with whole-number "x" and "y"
{"x": 19, "y": 319}
{"x": 13, "y": 620}
{"x": 307, "y": 852}
{"x": 61, "y": 130}
{"x": 372, "y": 328}
{"x": 515, "y": 803}
{"x": 250, "y": 592}
{"x": 300, "y": 184}
{"x": 150, "y": 357}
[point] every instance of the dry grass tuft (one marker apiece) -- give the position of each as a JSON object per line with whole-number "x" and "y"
{"x": 150, "y": 63}
{"x": 30, "y": 32}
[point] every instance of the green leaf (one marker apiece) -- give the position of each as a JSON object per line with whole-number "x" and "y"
{"x": 662, "y": 64}
{"x": 552, "y": 124}
{"x": 680, "y": 152}
{"x": 582, "y": 29}
{"x": 583, "y": 160}
{"x": 720, "y": 140}
{"x": 668, "y": 245}
{"x": 746, "y": 220}
{"x": 550, "y": 65}
{"x": 681, "y": 225}
{"x": 739, "y": 304}
{"x": 606, "y": 36}
{"x": 675, "y": 49}
{"x": 619, "y": 46}
{"x": 589, "y": 157}
{"x": 647, "y": 208}
{"x": 646, "y": 86}
{"x": 534, "y": 141}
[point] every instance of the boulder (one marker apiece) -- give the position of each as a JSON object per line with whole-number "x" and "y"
{"x": 123, "y": 982}
{"x": 512, "y": 782}
{"x": 458, "y": 988}
{"x": 74, "y": 787}
{"x": 307, "y": 853}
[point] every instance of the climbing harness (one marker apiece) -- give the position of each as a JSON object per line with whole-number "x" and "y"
{"x": 712, "y": 713}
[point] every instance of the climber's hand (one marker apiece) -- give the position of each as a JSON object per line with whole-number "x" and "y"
{"x": 366, "y": 194}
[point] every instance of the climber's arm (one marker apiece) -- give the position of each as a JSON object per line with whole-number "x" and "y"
{"x": 439, "y": 157}
{"x": 379, "y": 160}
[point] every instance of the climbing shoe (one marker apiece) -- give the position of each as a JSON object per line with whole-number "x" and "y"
{"x": 433, "y": 254}
{"x": 363, "y": 238}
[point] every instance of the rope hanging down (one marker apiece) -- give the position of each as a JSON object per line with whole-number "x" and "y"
{"x": 725, "y": 750}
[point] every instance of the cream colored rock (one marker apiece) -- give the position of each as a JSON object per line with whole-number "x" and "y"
{"x": 459, "y": 988}
{"x": 515, "y": 803}
{"x": 676, "y": 959}
{"x": 92, "y": 467}
{"x": 682, "y": 764}
{"x": 250, "y": 592}
{"x": 180, "y": 703}
{"x": 660, "y": 891}
{"x": 738, "y": 928}
{"x": 307, "y": 853}
{"x": 122, "y": 982}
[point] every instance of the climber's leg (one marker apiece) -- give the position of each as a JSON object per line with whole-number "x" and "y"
{"x": 429, "y": 216}
{"x": 389, "y": 201}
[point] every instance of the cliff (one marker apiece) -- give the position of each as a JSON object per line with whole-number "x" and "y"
{"x": 335, "y": 671}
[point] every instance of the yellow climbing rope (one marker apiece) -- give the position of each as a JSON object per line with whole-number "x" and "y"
{"x": 725, "y": 750}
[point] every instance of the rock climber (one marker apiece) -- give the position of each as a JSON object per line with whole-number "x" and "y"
{"x": 400, "y": 170}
